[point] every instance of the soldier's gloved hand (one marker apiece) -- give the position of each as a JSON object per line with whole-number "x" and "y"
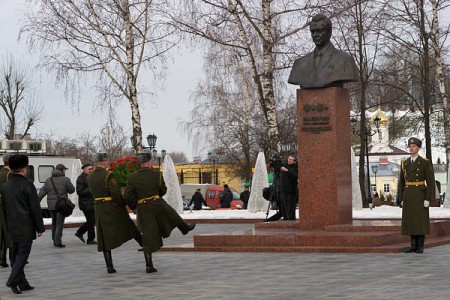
{"x": 426, "y": 203}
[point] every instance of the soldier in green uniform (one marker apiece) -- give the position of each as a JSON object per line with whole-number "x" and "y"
{"x": 156, "y": 219}
{"x": 5, "y": 242}
{"x": 113, "y": 223}
{"x": 416, "y": 188}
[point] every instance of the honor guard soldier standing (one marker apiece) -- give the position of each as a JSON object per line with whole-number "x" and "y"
{"x": 416, "y": 188}
{"x": 156, "y": 219}
{"x": 114, "y": 225}
{"x": 5, "y": 242}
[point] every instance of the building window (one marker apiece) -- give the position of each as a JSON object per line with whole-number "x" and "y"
{"x": 387, "y": 188}
{"x": 374, "y": 188}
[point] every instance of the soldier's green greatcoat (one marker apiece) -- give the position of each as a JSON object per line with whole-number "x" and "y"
{"x": 5, "y": 174}
{"x": 415, "y": 217}
{"x": 113, "y": 223}
{"x": 156, "y": 218}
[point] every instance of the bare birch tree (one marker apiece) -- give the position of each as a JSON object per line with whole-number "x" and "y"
{"x": 110, "y": 39}
{"x": 410, "y": 31}
{"x": 440, "y": 74}
{"x": 359, "y": 32}
{"x": 17, "y": 102}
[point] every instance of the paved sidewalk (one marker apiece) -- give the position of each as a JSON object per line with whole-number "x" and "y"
{"x": 78, "y": 272}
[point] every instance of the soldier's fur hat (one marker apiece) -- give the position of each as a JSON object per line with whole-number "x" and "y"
{"x": 18, "y": 161}
{"x": 415, "y": 141}
{"x": 101, "y": 157}
{"x": 144, "y": 157}
{"x": 6, "y": 157}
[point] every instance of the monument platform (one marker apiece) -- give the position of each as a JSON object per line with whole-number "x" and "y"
{"x": 362, "y": 236}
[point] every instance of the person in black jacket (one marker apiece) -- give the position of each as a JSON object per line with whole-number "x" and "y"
{"x": 198, "y": 200}
{"x": 86, "y": 204}
{"x": 288, "y": 188}
{"x": 23, "y": 218}
{"x": 226, "y": 197}
{"x": 245, "y": 196}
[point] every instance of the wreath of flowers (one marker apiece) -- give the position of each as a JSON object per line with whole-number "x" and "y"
{"x": 123, "y": 167}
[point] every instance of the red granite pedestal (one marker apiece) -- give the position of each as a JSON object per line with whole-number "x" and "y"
{"x": 325, "y": 194}
{"x": 324, "y": 164}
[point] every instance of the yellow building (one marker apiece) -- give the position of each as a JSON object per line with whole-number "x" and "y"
{"x": 218, "y": 174}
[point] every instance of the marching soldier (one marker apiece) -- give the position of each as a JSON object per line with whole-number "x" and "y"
{"x": 114, "y": 225}
{"x": 416, "y": 189}
{"x": 5, "y": 241}
{"x": 156, "y": 219}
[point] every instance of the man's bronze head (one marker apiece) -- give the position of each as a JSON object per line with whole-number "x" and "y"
{"x": 321, "y": 29}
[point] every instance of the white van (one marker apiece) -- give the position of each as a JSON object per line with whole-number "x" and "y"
{"x": 41, "y": 167}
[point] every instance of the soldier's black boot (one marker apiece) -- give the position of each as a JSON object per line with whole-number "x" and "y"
{"x": 109, "y": 262}
{"x": 420, "y": 243}
{"x": 3, "y": 262}
{"x": 413, "y": 247}
{"x": 138, "y": 239}
{"x": 149, "y": 263}
{"x": 185, "y": 228}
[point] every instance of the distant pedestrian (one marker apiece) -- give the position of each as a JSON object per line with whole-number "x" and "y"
{"x": 23, "y": 216}
{"x": 5, "y": 242}
{"x": 113, "y": 223}
{"x": 226, "y": 197}
{"x": 198, "y": 200}
{"x": 416, "y": 188}
{"x": 86, "y": 204}
{"x": 245, "y": 195}
{"x": 57, "y": 184}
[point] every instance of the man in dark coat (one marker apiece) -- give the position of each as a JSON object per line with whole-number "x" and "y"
{"x": 156, "y": 219}
{"x": 245, "y": 195}
{"x": 23, "y": 218}
{"x": 86, "y": 204}
{"x": 113, "y": 223}
{"x": 5, "y": 241}
{"x": 198, "y": 200}
{"x": 56, "y": 185}
{"x": 288, "y": 188}
{"x": 416, "y": 187}
{"x": 226, "y": 197}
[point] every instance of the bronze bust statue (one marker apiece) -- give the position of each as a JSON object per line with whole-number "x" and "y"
{"x": 326, "y": 66}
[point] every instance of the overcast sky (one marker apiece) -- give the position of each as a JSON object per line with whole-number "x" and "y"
{"x": 62, "y": 119}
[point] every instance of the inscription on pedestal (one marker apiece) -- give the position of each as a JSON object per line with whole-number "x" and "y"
{"x": 316, "y": 118}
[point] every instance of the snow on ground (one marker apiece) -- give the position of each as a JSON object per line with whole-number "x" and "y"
{"x": 381, "y": 212}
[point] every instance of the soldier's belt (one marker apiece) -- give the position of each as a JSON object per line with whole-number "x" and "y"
{"x": 103, "y": 199}
{"x": 143, "y": 200}
{"x": 415, "y": 183}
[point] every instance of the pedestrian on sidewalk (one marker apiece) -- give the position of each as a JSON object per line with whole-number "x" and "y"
{"x": 23, "y": 216}
{"x": 56, "y": 185}
{"x": 5, "y": 241}
{"x": 86, "y": 205}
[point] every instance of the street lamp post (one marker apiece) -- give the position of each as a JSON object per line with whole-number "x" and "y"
{"x": 375, "y": 170}
{"x": 151, "y": 140}
{"x": 159, "y": 156}
{"x": 212, "y": 159}
{"x": 368, "y": 133}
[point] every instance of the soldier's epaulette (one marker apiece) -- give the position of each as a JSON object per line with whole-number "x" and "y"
{"x": 424, "y": 158}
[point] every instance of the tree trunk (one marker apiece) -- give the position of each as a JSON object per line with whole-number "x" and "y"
{"x": 440, "y": 74}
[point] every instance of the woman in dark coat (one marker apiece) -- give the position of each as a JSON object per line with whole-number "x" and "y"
{"x": 156, "y": 219}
